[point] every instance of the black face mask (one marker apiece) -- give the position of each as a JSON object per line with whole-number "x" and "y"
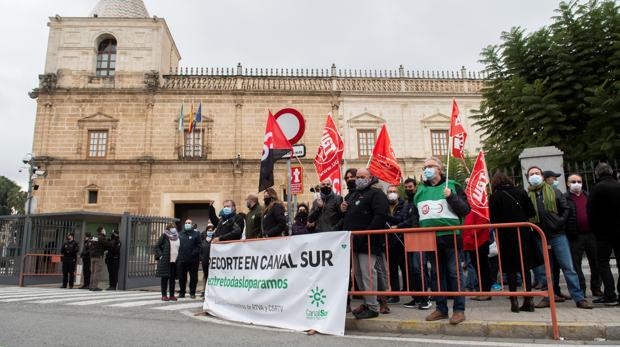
{"x": 351, "y": 184}
{"x": 409, "y": 193}
{"x": 326, "y": 190}
{"x": 268, "y": 201}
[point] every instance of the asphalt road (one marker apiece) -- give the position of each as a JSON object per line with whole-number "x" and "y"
{"x": 61, "y": 317}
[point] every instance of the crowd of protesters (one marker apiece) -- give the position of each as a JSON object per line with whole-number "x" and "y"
{"x": 575, "y": 223}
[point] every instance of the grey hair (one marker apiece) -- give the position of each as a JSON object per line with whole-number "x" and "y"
{"x": 603, "y": 169}
{"x": 439, "y": 163}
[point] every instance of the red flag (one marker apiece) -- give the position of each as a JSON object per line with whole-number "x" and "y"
{"x": 476, "y": 190}
{"x": 457, "y": 133}
{"x": 329, "y": 156}
{"x": 275, "y": 146}
{"x": 383, "y": 164}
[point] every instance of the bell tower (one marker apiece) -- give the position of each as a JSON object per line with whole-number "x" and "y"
{"x": 114, "y": 47}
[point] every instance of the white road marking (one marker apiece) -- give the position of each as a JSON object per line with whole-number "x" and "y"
{"x": 119, "y": 298}
{"x": 138, "y": 303}
{"x": 173, "y": 307}
{"x": 74, "y": 297}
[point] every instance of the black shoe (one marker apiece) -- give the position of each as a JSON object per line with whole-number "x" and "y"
{"x": 514, "y": 304}
{"x": 393, "y": 300}
{"x": 411, "y": 304}
{"x": 425, "y": 304}
{"x": 111, "y": 288}
{"x": 181, "y": 296}
{"x": 528, "y": 304}
{"x": 95, "y": 290}
{"x": 366, "y": 314}
{"x": 193, "y": 296}
{"x": 63, "y": 287}
{"x": 597, "y": 293}
{"x": 606, "y": 301}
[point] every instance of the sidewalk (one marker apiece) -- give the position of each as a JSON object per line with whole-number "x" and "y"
{"x": 494, "y": 319}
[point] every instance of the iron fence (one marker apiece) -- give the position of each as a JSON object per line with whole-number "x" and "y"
{"x": 11, "y": 240}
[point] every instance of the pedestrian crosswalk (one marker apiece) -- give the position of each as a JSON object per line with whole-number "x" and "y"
{"x": 76, "y": 297}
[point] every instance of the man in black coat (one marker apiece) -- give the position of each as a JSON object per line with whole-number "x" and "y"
{"x": 188, "y": 259}
{"x": 604, "y": 217}
{"x": 579, "y": 233}
{"x": 325, "y": 214}
{"x": 366, "y": 209}
{"x": 97, "y": 250}
{"x": 397, "y": 215}
{"x": 112, "y": 258}
{"x": 85, "y": 255}
{"x": 69, "y": 253}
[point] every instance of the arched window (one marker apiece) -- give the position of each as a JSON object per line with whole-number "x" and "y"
{"x": 106, "y": 58}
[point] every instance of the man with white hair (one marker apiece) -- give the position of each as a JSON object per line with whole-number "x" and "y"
{"x": 440, "y": 204}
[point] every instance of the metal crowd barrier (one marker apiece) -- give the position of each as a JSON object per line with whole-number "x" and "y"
{"x": 428, "y": 244}
{"x": 40, "y": 265}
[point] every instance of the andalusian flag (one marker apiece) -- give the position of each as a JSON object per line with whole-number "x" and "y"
{"x": 192, "y": 123}
{"x": 180, "y": 119}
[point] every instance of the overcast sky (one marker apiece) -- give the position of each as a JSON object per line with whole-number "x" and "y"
{"x": 420, "y": 35}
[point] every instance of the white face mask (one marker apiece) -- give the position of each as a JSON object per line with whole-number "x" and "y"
{"x": 575, "y": 187}
{"x": 392, "y": 196}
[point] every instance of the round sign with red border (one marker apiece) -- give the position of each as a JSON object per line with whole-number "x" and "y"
{"x": 292, "y": 124}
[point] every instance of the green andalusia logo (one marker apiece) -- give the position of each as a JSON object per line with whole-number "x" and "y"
{"x": 317, "y": 296}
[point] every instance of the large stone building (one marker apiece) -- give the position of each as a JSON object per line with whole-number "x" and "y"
{"x": 107, "y": 134}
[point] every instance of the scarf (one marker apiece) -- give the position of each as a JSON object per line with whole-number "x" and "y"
{"x": 172, "y": 235}
{"x": 548, "y": 200}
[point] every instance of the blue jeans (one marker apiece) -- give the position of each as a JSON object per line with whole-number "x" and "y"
{"x": 560, "y": 250}
{"x": 448, "y": 277}
{"x": 471, "y": 280}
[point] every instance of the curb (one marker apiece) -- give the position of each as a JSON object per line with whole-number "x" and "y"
{"x": 472, "y": 328}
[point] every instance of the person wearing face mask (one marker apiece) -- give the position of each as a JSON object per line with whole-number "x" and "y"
{"x": 274, "y": 221}
{"x": 396, "y": 247}
{"x": 551, "y": 214}
{"x": 166, "y": 254}
{"x": 85, "y": 255}
{"x": 253, "y": 217}
{"x": 97, "y": 250}
{"x": 69, "y": 251}
{"x": 300, "y": 225}
{"x": 366, "y": 209}
{"x": 441, "y": 204}
{"x": 112, "y": 259}
{"x": 188, "y": 259}
{"x": 580, "y": 236}
{"x": 604, "y": 217}
{"x": 325, "y": 214}
{"x": 349, "y": 178}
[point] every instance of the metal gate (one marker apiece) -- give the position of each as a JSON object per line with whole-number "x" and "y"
{"x": 11, "y": 240}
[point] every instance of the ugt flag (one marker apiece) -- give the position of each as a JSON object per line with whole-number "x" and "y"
{"x": 329, "y": 156}
{"x": 275, "y": 146}
{"x": 457, "y": 132}
{"x": 383, "y": 164}
{"x": 477, "y": 188}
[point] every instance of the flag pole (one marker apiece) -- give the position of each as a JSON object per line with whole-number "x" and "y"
{"x": 448, "y": 160}
{"x": 289, "y": 195}
{"x": 465, "y": 164}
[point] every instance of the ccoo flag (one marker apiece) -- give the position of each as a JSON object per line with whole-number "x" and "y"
{"x": 476, "y": 190}
{"x": 457, "y": 134}
{"x": 383, "y": 163}
{"x": 329, "y": 156}
{"x": 275, "y": 145}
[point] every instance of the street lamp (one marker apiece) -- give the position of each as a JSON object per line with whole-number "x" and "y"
{"x": 34, "y": 172}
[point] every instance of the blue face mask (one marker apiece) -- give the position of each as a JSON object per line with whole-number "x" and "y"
{"x": 429, "y": 173}
{"x": 187, "y": 227}
{"x": 555, "y": 184}
{"x": 535, "y": 180}
{"x": 227, "y": 211}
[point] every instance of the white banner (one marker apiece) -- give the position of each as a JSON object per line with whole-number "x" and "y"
{"x": 297, "y": 282}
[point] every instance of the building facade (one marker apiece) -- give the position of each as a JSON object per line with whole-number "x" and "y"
{"x": 107, "y": 133}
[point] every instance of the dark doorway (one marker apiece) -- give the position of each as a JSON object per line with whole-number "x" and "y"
{"x": 200, "y": 214}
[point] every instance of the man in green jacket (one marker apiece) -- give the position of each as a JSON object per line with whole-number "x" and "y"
{"x": 440, "y": 204}
{"x": 253, "y": 217}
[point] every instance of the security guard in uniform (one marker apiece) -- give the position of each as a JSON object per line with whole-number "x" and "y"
{"x": 85, "y": 255}
{"x": 69, "y": 253}
{"x": 112, "y": 259}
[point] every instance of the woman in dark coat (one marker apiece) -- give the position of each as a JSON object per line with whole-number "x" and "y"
{"x": 166, "y": 253}
{"x": 274, "y": 220}
{"x": 301, "y": 220}
{"x": 509, "y": 204}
